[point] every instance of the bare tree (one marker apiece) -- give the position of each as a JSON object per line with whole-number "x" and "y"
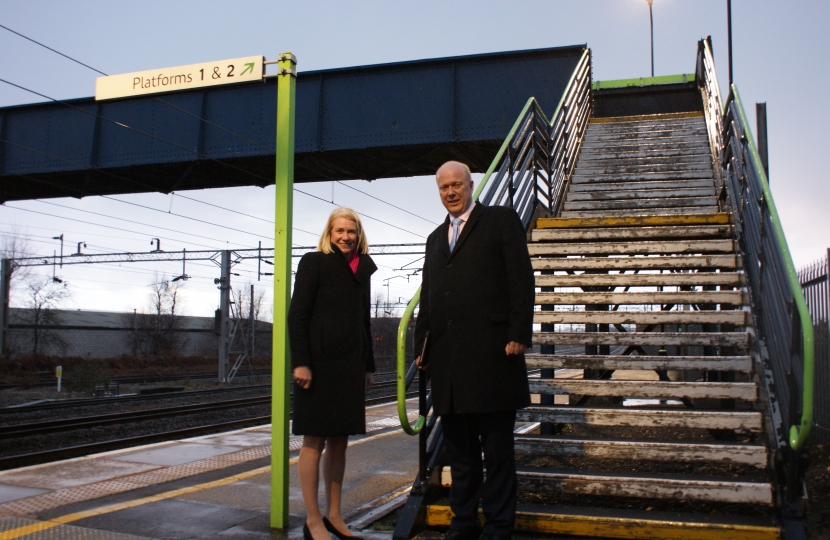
{"x": 42, "y": 296}
{"x": 241, "y": 311}
{"x": 378, "y": 304}
{"x": 16, "y": 245}
{"x": 156, "y": 331}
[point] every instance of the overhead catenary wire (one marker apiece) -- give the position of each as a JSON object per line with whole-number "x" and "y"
{"x": 241, "y": 137}
{"x": 180, "y": 147}
{"x": 212, "y": 159}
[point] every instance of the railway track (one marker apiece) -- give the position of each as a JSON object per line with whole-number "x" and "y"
{"x": 33, "y": 458}
{"x": 80, "y": 402}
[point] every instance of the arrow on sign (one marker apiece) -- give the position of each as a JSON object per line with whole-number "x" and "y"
{"x": 248, "y": 67}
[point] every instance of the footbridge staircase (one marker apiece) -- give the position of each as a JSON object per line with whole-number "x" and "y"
{"x": 672, "y": 360}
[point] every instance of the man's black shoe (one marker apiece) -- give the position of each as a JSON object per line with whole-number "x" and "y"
{"x": 469, "y": 534}
{"x": 489, "y": 536}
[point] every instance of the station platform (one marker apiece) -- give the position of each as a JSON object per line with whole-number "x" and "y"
{"x": 209, "y": 487}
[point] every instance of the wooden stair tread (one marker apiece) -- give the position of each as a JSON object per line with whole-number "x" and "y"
{"x": 753, "y": 455}
{"x": 646, "y": 418}
{"x": 602, "y": 233}
{"x": 638, "y": 194}
{"x": 608, "y": 523}
{"x": 653, "y": 202}
{"x": 645, "y": 389}
{"x": 719, "y": 218}
{"x": 630, "y": 212}
{"x": 642, "y": 298}
{"x": 664, "y": 487}
{"x": 733, "y": 317}
{"x": 639, "y": 280}
{"x": 645, "y": 247}
{"x": 668, "y": 339}
{"x": 729, "y": 261}
{"x": 742, "y": 364}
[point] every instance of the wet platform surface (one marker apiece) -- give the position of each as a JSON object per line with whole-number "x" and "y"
{"x": 211, "y": 487}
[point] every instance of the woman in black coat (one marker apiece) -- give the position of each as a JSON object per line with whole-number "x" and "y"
{"x": 332, "y": 361}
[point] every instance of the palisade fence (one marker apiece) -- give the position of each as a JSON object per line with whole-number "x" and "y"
{"x": 815, "y": 282}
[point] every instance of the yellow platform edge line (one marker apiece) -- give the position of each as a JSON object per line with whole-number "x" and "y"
{"x": 77, "y": 516}
{"x": 720, "y": 218}
{"x": 645, "y": 117}
{"x": 609, "y": 527}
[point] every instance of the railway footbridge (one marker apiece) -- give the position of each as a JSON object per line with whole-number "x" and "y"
{"x": 661, "y": 259}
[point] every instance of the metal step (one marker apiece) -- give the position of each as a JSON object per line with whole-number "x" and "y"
{"x": 715, "y": 218}
{"x": 741, "y": 364}
{"x": 614, "y": 523}
{"x": 645, "y": 389}
{"x": 640, "y": 280}
{"x": 663, "y": 487}
{"x": 735, "y": 317}
{"x": 751, "y": 421}
{"x": 732, "y": 298}
{"x": 679, "y": 211}
{"x": 753, "y": 455}
{"x": 642, "y": 186}
{"x": 637, "y": 263}
{"x": 606, "y": 195}
{"x": 663, "y": 202}
{"x": 668, "y": 339}
{"x": 645, "y": 247}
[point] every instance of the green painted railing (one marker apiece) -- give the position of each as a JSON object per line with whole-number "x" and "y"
{"x": 532, "y": 106}
{"x": 798, "y": 434}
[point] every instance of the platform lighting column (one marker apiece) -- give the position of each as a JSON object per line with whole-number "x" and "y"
{"x": 280, "y": 400}
{"x": 651, "y": 26}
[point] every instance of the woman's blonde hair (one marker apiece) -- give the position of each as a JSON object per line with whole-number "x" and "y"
{"x": 361, "y": 245}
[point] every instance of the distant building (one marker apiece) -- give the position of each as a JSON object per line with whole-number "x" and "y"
{"x": 106, "y": 334}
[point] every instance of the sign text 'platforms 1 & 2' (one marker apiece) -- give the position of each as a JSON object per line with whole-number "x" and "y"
{"x": 237, "y": 70}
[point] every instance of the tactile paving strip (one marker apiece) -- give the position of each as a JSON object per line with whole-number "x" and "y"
{"x": 61, "y": 497}
{"x": 39, "y": 503}
{"x": 63, "y": 532}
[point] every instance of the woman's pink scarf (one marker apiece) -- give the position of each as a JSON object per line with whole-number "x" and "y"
{"x": 354, "y": 260}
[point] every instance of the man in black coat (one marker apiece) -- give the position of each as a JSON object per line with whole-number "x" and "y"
{"x": 477, "y": 300}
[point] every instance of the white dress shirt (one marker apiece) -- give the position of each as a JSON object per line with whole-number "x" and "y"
{"x": 464, "y": 217}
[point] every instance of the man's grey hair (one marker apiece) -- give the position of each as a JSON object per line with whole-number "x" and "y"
{"x": 454, "y": 164}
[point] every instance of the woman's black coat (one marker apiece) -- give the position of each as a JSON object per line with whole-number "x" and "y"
{"x": 329, "y": 331}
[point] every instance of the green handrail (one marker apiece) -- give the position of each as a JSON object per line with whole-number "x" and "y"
{"x": 410, "y": 307}
{"x": 798, "y": 434}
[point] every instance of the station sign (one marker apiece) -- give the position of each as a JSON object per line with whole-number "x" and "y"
{"x": 237, "y": 70}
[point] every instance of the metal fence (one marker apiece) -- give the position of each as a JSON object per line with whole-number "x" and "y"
{"x": 816, "y": 286}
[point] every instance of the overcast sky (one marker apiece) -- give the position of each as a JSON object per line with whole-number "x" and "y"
{"x": 779, "y": 48}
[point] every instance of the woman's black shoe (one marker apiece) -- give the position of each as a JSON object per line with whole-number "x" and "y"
{"x": 330, "y": 528}
{"x": 306, "y": 532}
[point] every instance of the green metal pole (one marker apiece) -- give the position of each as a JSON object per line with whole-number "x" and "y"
{"x": 280, "y": 400}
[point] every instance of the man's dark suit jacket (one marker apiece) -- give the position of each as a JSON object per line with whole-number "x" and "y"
{"x": 473, "y": 302}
